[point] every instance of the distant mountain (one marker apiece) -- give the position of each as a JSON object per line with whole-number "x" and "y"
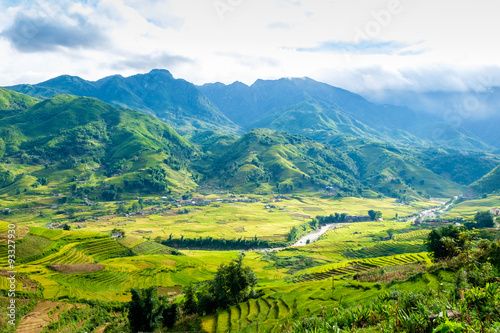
{"x": 317, "y": 110}
{"x": 476, "y": 111}
{"x": 322, "y": 123}
{"x": 247, "y": 104}
{"x": 174, "y": 101}
{"x": 487, "y": 129}
{"x": 398, "y": 172}
{"x": 80, "y": 138}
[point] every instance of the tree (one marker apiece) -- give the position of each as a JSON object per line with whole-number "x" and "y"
{"x": 121, "y": 209}
{"x": 71, "y": 212}
{"x": 206, "y": 303}
{"x": 390, "y": 232}
{"x": 375, "y": 215}
{"x": 43, "y": 181}
{"x": 135, "y": 207}
{"x": 189, "y": 306}
{"x": 444, "y": 242}
{"x": 169, "y": 314}
{"x": 294, "y": 234}
{"x": 6, "y": 178}
{"x": 484, "y": 219}
{"x": 233, "y": 283}
{"x": 142, "y": 309}
{"x": 66, "y": 226}
{"x": 148, "y": 312}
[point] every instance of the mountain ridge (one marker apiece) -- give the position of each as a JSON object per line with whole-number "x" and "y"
{"x": 174, "y": 101}
{"x": 265, "y": 102}
{"x": 283, "y": 105}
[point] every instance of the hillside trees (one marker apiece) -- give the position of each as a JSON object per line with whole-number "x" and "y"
{"x": 154, "y": 180}
{"x": 6, "y": 178}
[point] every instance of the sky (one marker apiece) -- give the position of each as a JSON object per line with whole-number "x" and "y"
{"x": 360, "y": 45}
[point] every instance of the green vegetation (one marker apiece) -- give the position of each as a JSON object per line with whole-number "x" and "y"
{"x": 115, "y": 212}
{"x": 374, "y": 215}
{"x": 11, "y": 101}
{"x": 484, "y": 219}
{"x": 488, "y": 184}
{"x": 148, "y": 312}
{"x": 233, "y": 283}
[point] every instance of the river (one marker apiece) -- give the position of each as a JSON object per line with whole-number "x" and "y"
{"x": 315, "y": 235}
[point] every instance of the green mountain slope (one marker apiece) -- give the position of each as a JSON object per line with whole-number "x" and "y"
{"x": 447, "y": 135}
{"x": 267, "y": 160}
{"x": 397, "y": 172}
{"x": 68, "y": 139}
{"x": 322, "y": 123}
{"x": 175, "y": 101}
{"x": 488, "y": 184}
{"x": 460, "y": 167}
{"x": 264, "y": 160}
{"x": 10, "y": 100}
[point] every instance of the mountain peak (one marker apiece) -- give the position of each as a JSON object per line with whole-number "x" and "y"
{"x": 64, "y": 78}
{"x": 159, "y": 71}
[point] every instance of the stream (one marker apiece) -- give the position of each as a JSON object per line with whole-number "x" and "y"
{"x": 312, "y": 237}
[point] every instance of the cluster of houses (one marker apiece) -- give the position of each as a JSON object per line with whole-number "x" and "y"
{"x": 495, "y": 211}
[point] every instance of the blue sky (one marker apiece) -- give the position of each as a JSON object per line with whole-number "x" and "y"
{"x": 360, "y": 45}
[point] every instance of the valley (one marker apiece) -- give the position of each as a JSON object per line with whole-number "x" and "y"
{"x": 325, "y": 206}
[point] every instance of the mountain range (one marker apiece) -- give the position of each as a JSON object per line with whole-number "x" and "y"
{"x": 275, "y": 135}
{"x": 296, "y": 105}
{"x": 323, "y": 112}
{"x": 175, "y": 101}
{"x": 475, "y": 109}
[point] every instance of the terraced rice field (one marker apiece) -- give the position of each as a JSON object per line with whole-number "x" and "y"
{"x": 247, "y": 316}
{"x": 411, "y": 236}
{"x": 101, "y": 249}
{"x": 67, "y": 254}
{"x": 354, "y": 267}
{"x": 384, "y": 249}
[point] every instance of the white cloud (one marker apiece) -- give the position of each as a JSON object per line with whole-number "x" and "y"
{"x": 427, "y": 45}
